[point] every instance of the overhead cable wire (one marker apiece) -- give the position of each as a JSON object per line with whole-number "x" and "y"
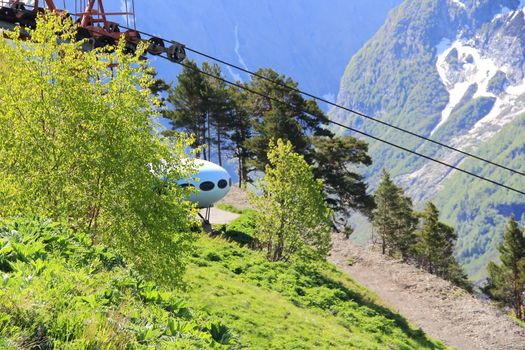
{"x": 360, "y": 114}
{"x": 333, "y": 104}
{"x": 290, "y": 105}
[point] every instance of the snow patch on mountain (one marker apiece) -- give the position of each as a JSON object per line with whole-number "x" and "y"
{"x": 504, "y": 111}
{"x": 459, "y": 67}
{"x": 487, "y": 66}
{"x": 443, "y": 45}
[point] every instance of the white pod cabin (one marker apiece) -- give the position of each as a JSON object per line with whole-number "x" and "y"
{"x": 212, "y": 183}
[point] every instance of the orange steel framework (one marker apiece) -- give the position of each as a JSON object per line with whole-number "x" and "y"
{"x": 93, "y": 23}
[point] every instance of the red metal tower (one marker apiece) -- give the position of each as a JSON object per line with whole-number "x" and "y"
{"x": 94, "y": 24}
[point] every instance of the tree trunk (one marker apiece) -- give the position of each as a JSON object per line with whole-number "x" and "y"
{"x": 383, "y": 242}
{"x": 204, "y": 145}
{"x": 209, "y": 138}
{"x": 517, "y": 298}
{"x": 240, "y": 171}
{"x": 243, "y": 172}
{"x": 219, "y": 144}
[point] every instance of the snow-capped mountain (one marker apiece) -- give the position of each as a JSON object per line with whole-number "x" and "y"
{"x": 484, "y": 70}
{"x": 452, "y": 70}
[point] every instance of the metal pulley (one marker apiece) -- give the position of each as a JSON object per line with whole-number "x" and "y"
{"x": 176, "y": 53}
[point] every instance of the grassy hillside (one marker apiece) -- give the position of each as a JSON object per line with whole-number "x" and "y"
{"x": 57, "y": 291}
{"x": 290, "y": 305}
{"x": 60, "y": 292}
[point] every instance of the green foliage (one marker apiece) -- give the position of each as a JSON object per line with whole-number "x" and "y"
{"x": 243, "y": 229}
{"x": 498, "y": 83}
{"x": 280, "y": 305}
{"x": 229, "y": 207}
{"x": 418, "y": 238}
{"x": 394, "y": 78}
{"x": 202, "y": 105}
{"x": 394, "y": 219}
{"x": 507, "y": 281}
{"x": 465, "y": 116}
{"x": 189, "y": 101}
{"x": 434, "y": 250}
{"x": 272, "y": 120}
{"x": 79, "y": 143}
{"x": 292, "y": 216}
{"x": 335, "y": 161}
{"x": 480, "y": 210}
{"x": 59, "y": 291}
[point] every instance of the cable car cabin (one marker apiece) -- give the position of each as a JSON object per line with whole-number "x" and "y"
{"x": 212, "y": 183}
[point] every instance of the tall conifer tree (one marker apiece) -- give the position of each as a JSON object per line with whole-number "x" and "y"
{"x": 190, "y": 100}
{"x": 435, "y": 248}
{"x": 393, "y": 218}
{"x": 507, "y": 281}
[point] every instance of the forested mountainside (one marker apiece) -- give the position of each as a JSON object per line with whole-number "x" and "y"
{"x": 452, "y": 70}
{"x": 309, "y": 40}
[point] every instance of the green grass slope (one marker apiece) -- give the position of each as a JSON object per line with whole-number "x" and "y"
{"x": 57, "y": 291}
{"x": 290, "y": 305}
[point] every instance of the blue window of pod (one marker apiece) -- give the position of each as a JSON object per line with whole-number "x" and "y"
{"x": 186, "y": 185}
{"x": 207, "y": 186}
{"x": 222, "y": 183}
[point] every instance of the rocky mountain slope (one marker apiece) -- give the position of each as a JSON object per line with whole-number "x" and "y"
{"x": 452, "y": 70}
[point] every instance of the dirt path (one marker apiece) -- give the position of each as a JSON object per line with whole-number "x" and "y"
{"x": 220, "y": 217}
{"x": 443, "y": 311}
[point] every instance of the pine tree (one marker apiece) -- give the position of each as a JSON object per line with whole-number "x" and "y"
{"x": 435, "y": 248}
{"x": 190, "y": 102}
{"x": 507, "y": 281}
{"x": 219, "y": 111}
{"x": 405, "y": 233}
{"x": 393, "y": 218}
{"x": 239, "y": 132}
{"x": 272, "y": 120}
{"x": 335, "y": 161}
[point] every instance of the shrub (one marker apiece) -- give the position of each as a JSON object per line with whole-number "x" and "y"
{"x": 292, "y": 215}
{"x": 79, "y": 143}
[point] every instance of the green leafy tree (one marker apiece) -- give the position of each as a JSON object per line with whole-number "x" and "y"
{"x": 394, "y": 219}
{"x": 190, "y": 103}
{"x": 336, "y": 161}
{"x": 274, "y": 120}
{"x": 435, "y": 248}
{"x": 240, "y": 131}
{"x": 79, "y": 142}
{"x": 507, "y": 280}
{"x": 220, "y": 110}
{"x": 292, "y": 215}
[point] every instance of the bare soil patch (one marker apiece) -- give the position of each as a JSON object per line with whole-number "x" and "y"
{"x": 442, "y": 310}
